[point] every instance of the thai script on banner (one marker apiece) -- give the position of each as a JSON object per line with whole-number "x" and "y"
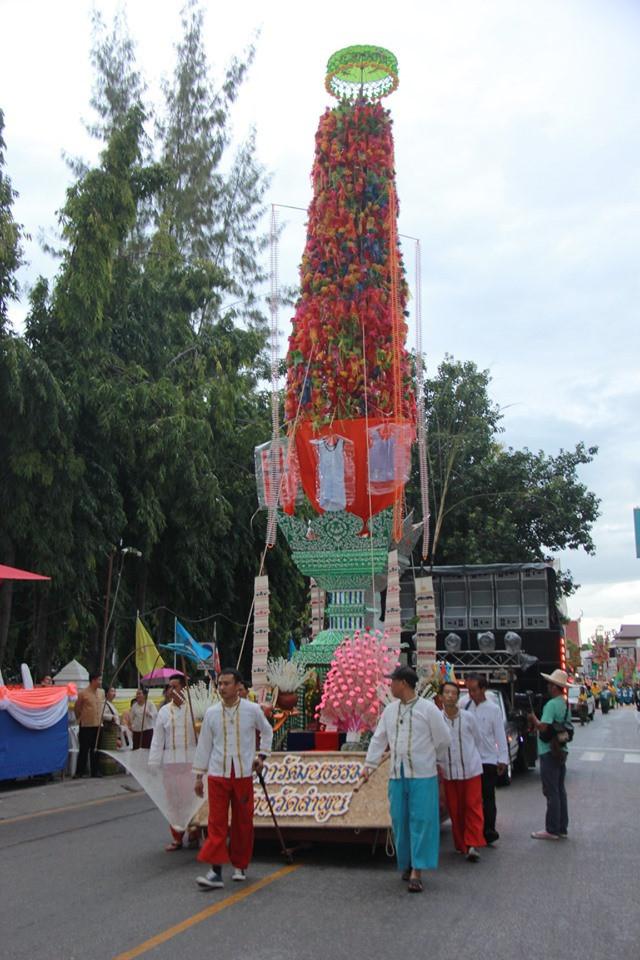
{"x": 294, "y": 769}
{"x": 312, "y": 803}
{"x": 302, "y": 781}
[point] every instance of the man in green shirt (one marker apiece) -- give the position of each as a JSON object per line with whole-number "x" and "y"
{"x": 553, "y": 766}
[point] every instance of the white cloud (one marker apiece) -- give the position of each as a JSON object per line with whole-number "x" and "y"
{"x": 616, "y": 604}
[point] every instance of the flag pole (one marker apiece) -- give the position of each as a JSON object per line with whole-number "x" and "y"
{"x": 186, "y": 679}
{"x": 216, "y": 654}
{"x": 175, "y": 640}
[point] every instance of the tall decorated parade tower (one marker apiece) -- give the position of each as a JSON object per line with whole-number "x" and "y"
{"x": 350, "y": 408}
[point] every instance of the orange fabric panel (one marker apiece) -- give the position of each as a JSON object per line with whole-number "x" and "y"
{"x": 363, "y": 505}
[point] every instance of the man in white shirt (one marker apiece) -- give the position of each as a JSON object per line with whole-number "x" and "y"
{"x": 226, "y": 752}
{"x": 174, "y": 743}
{"x": 494, "y": 751}
{"x": 416, "y": 735}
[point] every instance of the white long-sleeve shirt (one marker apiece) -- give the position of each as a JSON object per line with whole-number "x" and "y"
{"x": 139, "y": 711}
{"x": 462, "y": 759}
{"x": 228, "y": 736}
{"x": 110, "y": 714}
{"x": 174, "y": 739}
{"x": 493, "y": 739}
{"x": 416, "y": 736}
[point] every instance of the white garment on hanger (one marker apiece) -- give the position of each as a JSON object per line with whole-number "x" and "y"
{"x": 332, "y": 493}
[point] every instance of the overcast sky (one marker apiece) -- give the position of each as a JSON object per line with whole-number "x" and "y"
{"x": 517, "y": 139}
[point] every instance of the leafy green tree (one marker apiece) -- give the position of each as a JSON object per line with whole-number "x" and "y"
{"x": 36, "y": 469}
{"x": 70, "y": 329}
{"x": 36, "y": 454}
{"x": 151, "y": 383}
{"x": 462, "y": 424}
{"x": 492, "y": 504}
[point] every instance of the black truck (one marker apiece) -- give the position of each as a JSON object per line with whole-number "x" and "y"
{"x": 500, "y": 620}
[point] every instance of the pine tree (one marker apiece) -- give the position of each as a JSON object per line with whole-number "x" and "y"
{"x": 118, "y": 85}
{"x": 212, "y": 215}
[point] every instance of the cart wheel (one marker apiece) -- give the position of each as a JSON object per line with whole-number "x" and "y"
{"x": 288, "y": 858}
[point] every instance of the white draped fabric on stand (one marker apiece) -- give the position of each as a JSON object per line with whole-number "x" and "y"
{"x": 36, "y": 718}
{"x": 27, "y": 679}
{"x": 168, "y": 785}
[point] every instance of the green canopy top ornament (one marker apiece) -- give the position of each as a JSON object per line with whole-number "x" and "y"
{"x": 357, "y": 73}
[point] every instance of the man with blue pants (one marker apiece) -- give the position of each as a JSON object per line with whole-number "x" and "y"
{"x": 416, "y": 734}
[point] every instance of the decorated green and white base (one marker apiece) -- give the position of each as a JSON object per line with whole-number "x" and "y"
{"x": 333, "y": 551}
{"x": 341, "y": 561}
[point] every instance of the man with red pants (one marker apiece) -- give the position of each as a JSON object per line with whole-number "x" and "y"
{"x": 462, "y": 774}
{"x": 226, "y": 752}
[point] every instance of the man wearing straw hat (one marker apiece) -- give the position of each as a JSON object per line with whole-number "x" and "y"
{"x": 553, "y": 763}
{"x": 174, "y": 742}
{"x": 416, "y": 734}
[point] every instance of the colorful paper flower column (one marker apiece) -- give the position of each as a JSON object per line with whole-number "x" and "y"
{"x": 348, "y": 371}
{"x": 350, "y": 408}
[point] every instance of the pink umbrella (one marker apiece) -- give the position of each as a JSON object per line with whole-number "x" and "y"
{"x": 160, "y": 677}
{"x": 12, "y": 573}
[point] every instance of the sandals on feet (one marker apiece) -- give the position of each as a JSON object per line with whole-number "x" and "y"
{"x": 406, "y": 875}
{"x": 415, "y": 885}
{"x": 172, "y": 847}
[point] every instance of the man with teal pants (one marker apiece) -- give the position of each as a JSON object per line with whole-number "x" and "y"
{"x": 416, "y": 734}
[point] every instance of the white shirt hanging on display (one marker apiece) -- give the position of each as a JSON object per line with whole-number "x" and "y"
{"x": 383, "y": 454}
{"x": 331, "y": 489}
{"x": 331, "y": 476}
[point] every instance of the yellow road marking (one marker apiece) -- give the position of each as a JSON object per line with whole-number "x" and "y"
{"x": 204, "y": 914}
{"x": 71, "y": 806}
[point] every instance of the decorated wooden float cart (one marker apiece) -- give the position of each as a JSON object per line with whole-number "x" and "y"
{"x": 354, "y": 406}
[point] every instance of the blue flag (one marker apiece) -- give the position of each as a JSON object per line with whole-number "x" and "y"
{"x": 292, "y": 649}
{"x": 187, "y": 646}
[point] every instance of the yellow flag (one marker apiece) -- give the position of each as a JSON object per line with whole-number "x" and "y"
{"x": 147, "y": 656}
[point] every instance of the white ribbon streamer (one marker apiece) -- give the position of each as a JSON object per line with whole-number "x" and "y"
{"x": 168, "y": 785}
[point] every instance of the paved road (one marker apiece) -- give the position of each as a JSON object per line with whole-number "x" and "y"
{"x": 84, "y": 875}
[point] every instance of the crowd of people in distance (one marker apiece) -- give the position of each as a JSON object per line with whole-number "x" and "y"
{"x": 607, "y": 693}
